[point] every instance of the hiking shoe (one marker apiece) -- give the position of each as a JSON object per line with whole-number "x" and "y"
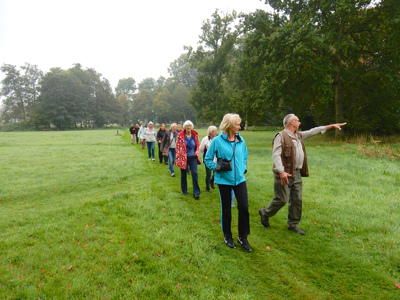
{"x": 172, "y": 174}
{"x": 297, "y": 230}
{"x": 229, "y": 242}
{"x": 153, "y": 159}
{"x": 244, "y": 243}
{"x": 196, "y": 196}
{"x": 264, "y": 219}
{"x": 208, "y": 192}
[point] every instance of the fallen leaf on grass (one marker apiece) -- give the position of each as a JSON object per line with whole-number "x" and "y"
{"x": 164, "y": 224}
{"x": 338, "y": 236}
{"x": 131, "y": 281}
{"x": 70, "y": 268}
{"x": 268, "y": 248}
{"x": 397, "y": 285}
{"x": 315, "y": 223}
{"x": 121, "y": 242}
{"x": 43, "y": 271}
{"x": 158, "y": 254}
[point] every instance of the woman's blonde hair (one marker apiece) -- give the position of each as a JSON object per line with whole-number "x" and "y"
{"x": 211, "y": 129}
{"x": 188, "y": 122}
{"x": 172, "y": 126}
{"x": 228, "y": 122}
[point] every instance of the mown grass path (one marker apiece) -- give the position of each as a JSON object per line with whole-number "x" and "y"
{"x": 84, "y": 214}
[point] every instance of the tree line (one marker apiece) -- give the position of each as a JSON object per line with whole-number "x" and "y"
{"x": 80, "y": 97}
{"x": 327, "y": 61}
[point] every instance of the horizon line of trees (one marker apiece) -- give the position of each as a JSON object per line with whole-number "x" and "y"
{"x": 326, "y": 61}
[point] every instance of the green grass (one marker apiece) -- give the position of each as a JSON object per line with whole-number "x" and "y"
{"x": 84, "y": 214}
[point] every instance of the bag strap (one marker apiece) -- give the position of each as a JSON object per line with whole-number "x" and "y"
{"x": 234, "y": 148}
{"x": 174, "y": 138}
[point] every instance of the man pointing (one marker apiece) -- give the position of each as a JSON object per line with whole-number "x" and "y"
{"x": 290, "y": 164}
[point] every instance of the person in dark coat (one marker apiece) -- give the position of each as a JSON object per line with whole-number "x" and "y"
{"x": 160, "y": 135}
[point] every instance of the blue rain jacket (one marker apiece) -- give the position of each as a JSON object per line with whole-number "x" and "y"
{"x": 221, "y": 147}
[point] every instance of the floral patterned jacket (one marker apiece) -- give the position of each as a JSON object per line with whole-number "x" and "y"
{"x": 180, "y": 148}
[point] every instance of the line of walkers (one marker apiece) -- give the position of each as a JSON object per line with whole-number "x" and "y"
{"x": 225, "y": 158}
{"x": 182, "y": 148}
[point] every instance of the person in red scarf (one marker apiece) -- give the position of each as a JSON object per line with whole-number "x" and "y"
{"x": 187, "y": 154}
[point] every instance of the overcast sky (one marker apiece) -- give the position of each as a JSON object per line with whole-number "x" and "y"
{"x": 119, "y": 39}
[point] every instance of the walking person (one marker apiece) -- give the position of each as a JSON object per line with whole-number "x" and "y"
{"x": 137, "y": 128}
{"x": 133, "y": 133}
{"x": 179, "y": 128}
{"x": 289, "y": 165}
{"x": 169, "y": 142}
{"x": 205, "y": 143}
{"x": 187, "y": 154}
{"x": 160, "y": 135}
{"x": 141, "y": 135}
{"x": 150, "y": 137}
{"x": 231, "y": 147}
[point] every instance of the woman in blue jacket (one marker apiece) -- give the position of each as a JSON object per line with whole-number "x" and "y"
{"x": 231, "y": 146}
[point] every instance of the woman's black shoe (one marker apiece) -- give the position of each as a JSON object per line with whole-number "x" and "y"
{"x": 244, "y": 243}
{"x": 229, "y": 242}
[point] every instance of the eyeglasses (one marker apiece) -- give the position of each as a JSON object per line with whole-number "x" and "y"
{"x": 295, "y": 120}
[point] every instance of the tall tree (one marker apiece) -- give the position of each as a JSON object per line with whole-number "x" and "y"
{"x": 126, "y": 86}
{"x": 75, "y": 96}
{"x": 212, "y": 59}
{"x": 161, "y": 106}
{"x": 147, "y": 84}
{"x": 102, "y": 102}
{"x": 182, "y": 109}
{"x": 123, "y": 111}
{"x": 58, "y": 102}
{"x": 181, "y": 71}
{"x": 142, "y": 108}
{"x": 20, "y": 91}
{"x": 314, "y": 57}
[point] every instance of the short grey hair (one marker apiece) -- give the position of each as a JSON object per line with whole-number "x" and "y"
{"x": 188, "y": 122}
{"x": 287, "y": 119}
{"x": 211, "y": 129}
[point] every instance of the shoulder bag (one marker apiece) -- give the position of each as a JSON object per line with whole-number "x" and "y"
{"x": 223, "y": 164}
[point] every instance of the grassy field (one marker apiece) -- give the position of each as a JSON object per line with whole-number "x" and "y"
{"x": 84, "y": 214}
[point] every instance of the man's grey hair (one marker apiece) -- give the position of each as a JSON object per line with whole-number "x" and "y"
{"x": 287, "y": 119}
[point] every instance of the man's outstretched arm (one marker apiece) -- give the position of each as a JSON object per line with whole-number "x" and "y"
{"x": 337, "y": 126}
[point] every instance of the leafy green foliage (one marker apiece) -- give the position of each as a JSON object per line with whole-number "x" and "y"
{"x": 212, "y": 62}
{"x": 126, "y": 86}
{"x": 324, "y": 60}
{"x": 20, "y": 91}
{"x": 74, "y": 96}
{"x": 181, "y": 72}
